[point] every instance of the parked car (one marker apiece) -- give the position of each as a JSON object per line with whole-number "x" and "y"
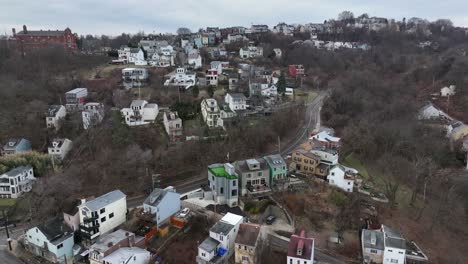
{"x": 270, "y": 219}
{"x": 184, "y": 212}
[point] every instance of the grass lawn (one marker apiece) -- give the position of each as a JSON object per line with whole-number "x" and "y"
{"x": 353, "y": 162}
{"x": 5, "y": 202}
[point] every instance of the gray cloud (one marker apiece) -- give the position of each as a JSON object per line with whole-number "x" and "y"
{"x": 117, "y": 16}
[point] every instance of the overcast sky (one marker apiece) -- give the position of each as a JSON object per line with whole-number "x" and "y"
{"x": 113, "y": 17}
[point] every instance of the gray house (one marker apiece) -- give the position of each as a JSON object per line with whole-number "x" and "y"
{"x": 162, "y": 203}
{"x": 254, "y": 176}
{"x": 16, "y": 146}
{"x": 223, "y": 184}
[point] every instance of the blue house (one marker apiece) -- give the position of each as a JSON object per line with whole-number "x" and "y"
{"x": 162, "y": 203}
{"x": 16, "y": 146}
{"x": 52, "y": 240}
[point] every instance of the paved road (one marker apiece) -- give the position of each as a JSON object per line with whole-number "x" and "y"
{"x": 312, "y": 121}
{"x": 7, "y": 258}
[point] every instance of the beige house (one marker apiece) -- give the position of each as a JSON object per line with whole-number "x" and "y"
{"x": 304, "y": 161}
{"x": 246, "y": 244}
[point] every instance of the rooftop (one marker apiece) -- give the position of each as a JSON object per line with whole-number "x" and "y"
{"x": 237, "y": 96}
{"x": 42, "y": 33}
{"x": 243, "y": 165}
{"x": 221, "y": 228}
{"x": 209, "y": 244}
{"x": 53, "y": 109}
{"x": 248, "y": 234}
{"x": 77, "y": 90}
{"x": 107, "y": 241}
{"x": 232, "y": 219}
{"x": 104, "y": 200}
{"x": 137, "y": 103}
{"x": 275, "y": 160}
{"x": 218, "y": 170}
{"x": 18, "y": 170}
{"x": 157, "y": 195}
{"x": 122, "y": 255}
{"x": 307, "y": 246}
{"x": 373, "y": 239}
{"x": 55, "y": 231}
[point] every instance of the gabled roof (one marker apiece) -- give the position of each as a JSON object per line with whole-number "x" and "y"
{"x": 237, "y": 96}
{"x": 373, "y": 239}
{"x": 55, "y": 231}
{"x": 157, "y": 195}
{"x": 307, "y": 245}
{"x": 18, "y": 170}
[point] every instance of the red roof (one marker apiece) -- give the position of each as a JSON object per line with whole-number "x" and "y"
{"x": 298, "y": 241}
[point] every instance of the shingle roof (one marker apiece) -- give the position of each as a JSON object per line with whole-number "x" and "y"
{"x": 367, "y": 237}
{"x": 55, "y": 231}
{"x": 248, "y": 234}
{"x": 221, "y": 228}
{"x": 15, "y": 171}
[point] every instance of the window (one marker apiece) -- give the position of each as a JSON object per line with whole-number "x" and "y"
{"x": 111, "y": 215}
{"x": 60, "y": 246}
{"x": 333, "y": 174}
{"x": 349, "y": 183}
{"x": 390, "y": 250}
{"x": 221, "y": 238}
{"x": 245, "y": 247}
{"x": 103, "y": 210}
{"x": 245, "y": 258}
{"x": 259, "y": 173}
{"x": 373, "y": 251}
{"x": 103, "y": 219}
{"x": 221, "y": 191}
{"x": 234, "y": 193}
{"x": 234, "y": 183}
{"x": 393, "y": 260}
{"x": 290, "y": 261}
{"x": 239, "y": 246}
{"x": 203, "y": 254}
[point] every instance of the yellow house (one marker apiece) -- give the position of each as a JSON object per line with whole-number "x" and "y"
{"x": 304, "y": 161}
{"x": 246, "y": 244}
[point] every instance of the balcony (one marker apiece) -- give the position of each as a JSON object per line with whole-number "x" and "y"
{"x": 258, "y": 190}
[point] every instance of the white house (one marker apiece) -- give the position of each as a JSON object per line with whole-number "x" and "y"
{"x": 278, "y": 53}
{"x": 17, "y": 181}
{"x": 195, "y": 60}
{"x": 300, "y": 249}
{"x": 127, "y": 255}
{"x": 447, "y": 91}
{"x": 92, "y": 115}
{"x": 236, "y": 101}
{"x": 341, "y": 178}
{"x": 251, "y": 52}
{"x": 327, "y": 156}
{"x": 173, "y": 125}
{"x": 134, "y": 74}
{"x": 75, "y": 98}
{"x": 220, "y": 243}
{"x": 140, "y": 113}
{"x": 326, "y": 139}
{"x": 269, "y": 91}
{"x": 181, "y": 78}
{"x": 110, "y": 243}
{"x": 212, "y": 77}
{"x": 103, "y": 214}
{"x": 162, "y": 203}
{"x": 431, "y": 112}
{"x": 55, "y": 113}
{"x": 59, "y": 147}
{"x": 210, "y": 112}
{"x": 52, "y": 240}
{"x": 136, "y": 56}
{"x": 395, "y": 246}
{"x": 219, "y": 66}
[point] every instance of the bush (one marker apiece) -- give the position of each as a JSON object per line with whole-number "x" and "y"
{"x": 338, "y": 198}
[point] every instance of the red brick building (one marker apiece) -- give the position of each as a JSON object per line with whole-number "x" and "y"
{"x": 45, "y": 38}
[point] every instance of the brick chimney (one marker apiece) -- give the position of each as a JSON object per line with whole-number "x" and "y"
{"x": 25, "y": 29}
{"x": 13, "y": 30}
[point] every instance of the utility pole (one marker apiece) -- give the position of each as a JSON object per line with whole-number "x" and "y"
{"x": 5, "y": 216}
{"x": 155, "y": 180}
{"x": 279, "y": 145}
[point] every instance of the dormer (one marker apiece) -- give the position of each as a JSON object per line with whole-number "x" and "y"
{"x": 55, "y": 144}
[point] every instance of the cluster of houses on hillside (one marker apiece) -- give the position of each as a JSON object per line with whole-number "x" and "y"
{"x": 98, "y": 224}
